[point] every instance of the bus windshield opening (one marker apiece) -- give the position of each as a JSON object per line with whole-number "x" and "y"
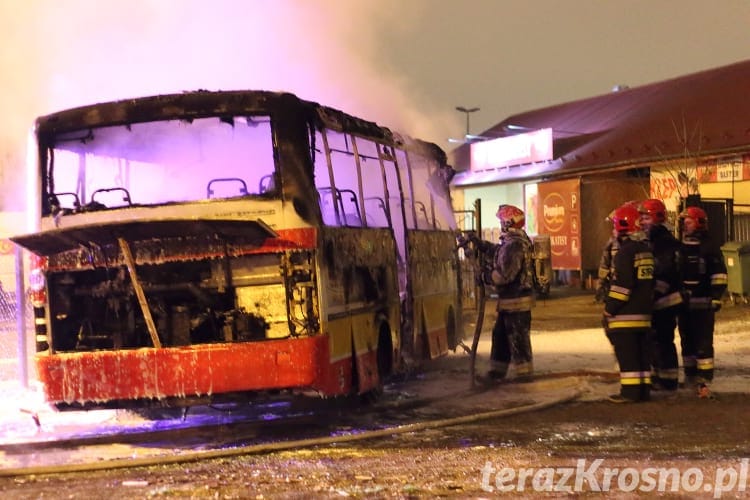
{"x": 161, "y": 162}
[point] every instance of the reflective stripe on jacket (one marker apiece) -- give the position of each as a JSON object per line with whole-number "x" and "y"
{"x": 630, "y": 299}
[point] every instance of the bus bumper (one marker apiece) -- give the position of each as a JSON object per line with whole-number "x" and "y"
{"x": 98, "y": 377}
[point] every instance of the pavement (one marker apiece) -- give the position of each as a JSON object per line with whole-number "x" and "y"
{"x": 572, "y": 357}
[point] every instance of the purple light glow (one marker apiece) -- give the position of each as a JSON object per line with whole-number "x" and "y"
{"x": 80, "y": 52}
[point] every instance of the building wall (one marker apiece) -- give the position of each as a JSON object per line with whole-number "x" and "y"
{"x": 670, "y": 181}
{"x": 599, "y": 196}
{"x": 740, "y": 192}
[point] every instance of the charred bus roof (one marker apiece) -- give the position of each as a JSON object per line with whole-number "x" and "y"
{"x": 202, "y": 104}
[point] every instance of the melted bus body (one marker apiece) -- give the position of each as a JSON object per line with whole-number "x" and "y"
{"x": 204, "y": 245}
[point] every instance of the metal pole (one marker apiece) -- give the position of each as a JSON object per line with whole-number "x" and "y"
{"x": 23, "y": 368}
{"x": 468, "y": 111}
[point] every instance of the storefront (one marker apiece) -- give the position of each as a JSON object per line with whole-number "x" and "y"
{"x": 568, "y": 166}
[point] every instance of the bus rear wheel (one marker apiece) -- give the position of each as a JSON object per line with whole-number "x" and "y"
{"x": 385, "y": 352}
{"x": 451, "y": 329}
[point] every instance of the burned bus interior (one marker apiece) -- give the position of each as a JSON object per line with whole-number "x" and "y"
{"x": 204, "y": 281}
{"x": 158, "y": 162}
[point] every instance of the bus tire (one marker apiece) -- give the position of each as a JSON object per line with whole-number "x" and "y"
{"x": 451, "y": 329}
{"x": 385, "y": 351}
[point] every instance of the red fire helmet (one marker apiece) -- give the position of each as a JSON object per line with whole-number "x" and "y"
{"x": 698, "y": 215}
{"x": 655, "y": 208}
{"x": 612, "y": 213}
{"x": 510, "y": 216}
{"x": 625, "y": 218}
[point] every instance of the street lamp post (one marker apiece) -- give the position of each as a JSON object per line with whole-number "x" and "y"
{"x": 468, "y": 111}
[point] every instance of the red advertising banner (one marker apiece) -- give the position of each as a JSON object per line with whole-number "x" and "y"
{"x": 560, "y": 217}
{"x": 724, "y": 169}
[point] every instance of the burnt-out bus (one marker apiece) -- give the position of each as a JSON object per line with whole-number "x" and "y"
{"x": 204, "y": 246}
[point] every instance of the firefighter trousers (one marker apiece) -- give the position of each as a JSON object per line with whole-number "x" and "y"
{"x": 633, "y": 354}
{"x": 511, "y": 342}
{"x": 664, "y": 356}
{"x": 696, "y": 328}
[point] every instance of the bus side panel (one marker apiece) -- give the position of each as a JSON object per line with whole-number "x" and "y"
{"x": 337, "y": 376}
{"x": 434, "y": 274}
{"x": 434, "y": 313}
{"x": 366, "y": 349}
{"x": 358, "y": 279}
{"x": 198, "y": 370}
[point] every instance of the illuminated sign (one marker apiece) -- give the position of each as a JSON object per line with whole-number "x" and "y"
{"x": 553, "y": 209}
{"x": 518, "y": 149}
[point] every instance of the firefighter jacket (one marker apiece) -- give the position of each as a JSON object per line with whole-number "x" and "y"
{"x": 606, "y": 265}
{"x": 513, "y": 272}
{"x": 704, "y": 274}
{"x": 666, "y": 250}
{"x": 630, "y": 299}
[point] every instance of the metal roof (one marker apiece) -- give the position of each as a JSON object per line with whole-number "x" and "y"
{"x": 700, "y": 114}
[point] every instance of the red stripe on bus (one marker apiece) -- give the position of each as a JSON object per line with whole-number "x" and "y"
{"x": 198, "y": 370}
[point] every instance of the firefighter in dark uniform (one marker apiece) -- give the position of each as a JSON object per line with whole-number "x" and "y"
{"x": 628, "y": 306}
{"x": 667, "y": 297}
{"x": 704, "y": 279}
{"x": 604, "y": 274}
{"x": 513, "y": 278}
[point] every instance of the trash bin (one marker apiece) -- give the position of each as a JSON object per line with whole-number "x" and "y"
{"x": 737, "y": 260}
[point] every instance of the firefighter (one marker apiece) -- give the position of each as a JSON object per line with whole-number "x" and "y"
{"x": 628, "y": 306}
{"x": 605, "y": 269}
{"x": 604, "y": 274}
{"x": 667, "y": 297}
{"x": 512, "y": 275}
{"x": 704, "y": 279}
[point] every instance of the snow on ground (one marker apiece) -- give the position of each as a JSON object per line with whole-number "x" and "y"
{"x": 565, "y": 339}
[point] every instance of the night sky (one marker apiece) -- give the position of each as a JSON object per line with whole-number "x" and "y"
{"x": 404, "y": 63}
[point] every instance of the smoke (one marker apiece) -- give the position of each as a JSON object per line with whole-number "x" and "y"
{"x": 56, "y": 55}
